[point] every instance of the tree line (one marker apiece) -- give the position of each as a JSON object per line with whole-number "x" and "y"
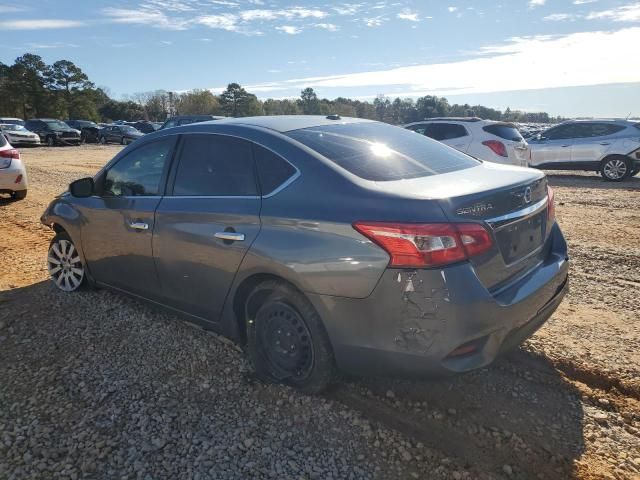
{"x": 30, "y": 88}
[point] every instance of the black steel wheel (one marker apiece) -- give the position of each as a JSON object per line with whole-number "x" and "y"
{"x": 286, "y": 339}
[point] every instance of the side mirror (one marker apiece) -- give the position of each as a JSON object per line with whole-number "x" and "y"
{"x": 82, "y": 188}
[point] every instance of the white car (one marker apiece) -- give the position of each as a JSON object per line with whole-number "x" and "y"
{"x": 497, "y": 142}
{"x": 13, "y": 175}
{"x": 12, "y": 120}
{"x": 610, "y": 147}
{"x": 18, "y": 135}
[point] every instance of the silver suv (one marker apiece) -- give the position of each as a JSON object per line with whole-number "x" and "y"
{"x": 611, "y": 147}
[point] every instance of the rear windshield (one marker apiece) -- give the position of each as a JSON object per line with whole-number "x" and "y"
{"x": 381, "y": 152}
{"x": 508, "y": 132}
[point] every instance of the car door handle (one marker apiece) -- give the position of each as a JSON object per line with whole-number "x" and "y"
{"x": 139, "y": 225}
{"x": 230, "y": 236}
{"x": 605, "y": 143}
{"x": 564, "y": 146}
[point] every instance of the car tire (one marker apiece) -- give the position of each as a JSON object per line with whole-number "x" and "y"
{"x": 65, "y": 265}
{"x": 51, "y": 141}
{"x": 286, "y": 340}
{"x": 19, "y": 195}
{"x": 634, "y": 172}
{"x": 102, "y": 141}
{"x": 615, "y": 168}
{"x": 123, "y": 141}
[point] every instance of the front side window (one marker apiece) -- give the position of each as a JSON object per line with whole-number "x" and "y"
{"x": 215, "y": 165}
{"x": 562, "y": 132}
{"x": 381, "y": 152}
{"x": 139, "y": 173}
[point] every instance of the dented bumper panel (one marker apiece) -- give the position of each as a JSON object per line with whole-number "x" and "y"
{"x": 415, "y": 320}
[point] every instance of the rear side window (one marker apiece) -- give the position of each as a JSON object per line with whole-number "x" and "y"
{"x": 3, "y": 140}
{"x": 381, "y": 152}
{"x": 273, "y": 171}
{"x": 445, "y": 131}
{"x": 604, "y": 129}
{"x": 507, "y": 132}
{"x": 421, "y": 129}
{"x": 215, "y": 165}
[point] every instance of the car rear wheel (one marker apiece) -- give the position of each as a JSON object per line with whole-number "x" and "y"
{"x": 286, "y": 340}
{"x": 19, "y": 195}
{"x": 50, "y": 141}
{"x": 123, "y": 141}
{"x": 103, "y": 141}
{"x": 64, "y": 264}
{"x": 615, "y": 168}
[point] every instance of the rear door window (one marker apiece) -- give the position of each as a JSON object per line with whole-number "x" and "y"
{"x": 604, "y": 129}
{"x": 381, "y": 152}
{"x": 215, "y": 165}
{"x": 507, "y": 132}
{"x": 445, "y": 131}
{"x": 273, "y": 170}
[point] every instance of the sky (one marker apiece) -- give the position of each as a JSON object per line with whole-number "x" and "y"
{"x": 566, "y": 57}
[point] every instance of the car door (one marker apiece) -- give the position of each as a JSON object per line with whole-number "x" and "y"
{"x": 553, "y": 147}
{"x": 119, "y": 219}
{"x": 113, "y": 134}
{"x": 208, "y": 222}
{"x": 592, "y": 143}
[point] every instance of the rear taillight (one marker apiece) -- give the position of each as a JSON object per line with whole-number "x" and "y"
{"x": 497, "y": 147}
{"x": 551, "y": 206}
{"x": 11, "y": 153}
{"x": 427, "y": 244}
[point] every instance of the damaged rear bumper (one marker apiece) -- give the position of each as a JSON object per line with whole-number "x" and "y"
{"x": 434, "y": 322}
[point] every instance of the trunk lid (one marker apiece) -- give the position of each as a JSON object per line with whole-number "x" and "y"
{"x": 510, "y": 201}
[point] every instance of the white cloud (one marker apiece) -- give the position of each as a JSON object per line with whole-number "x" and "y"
{"x": 452, "y": 9}
{"x": 327, "y": 26}
{"x": 626, "y": 13}
{"x": 578, "y": 59}
{"x": 560, "y": 17}
{"x": 347, "y": 8}
{"x": 583, "y": 2}
{"x": 409, "y": 15}
{"x": 223, "y": 21}
{"x": 144, "y": 16}
{"x": 536, "y": 3}
{"x": 41, "y": 46}
{"x": 374, "y": 21}
{"x": 12, "y": 9}
{"x": 38, "y": 24}
{"x": 289, "y": 29}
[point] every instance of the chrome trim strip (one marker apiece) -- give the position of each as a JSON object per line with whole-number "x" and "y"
{"x": 521, "y": 214}
{"x": 287, "y": 182}
{"x": 243, "y": 197}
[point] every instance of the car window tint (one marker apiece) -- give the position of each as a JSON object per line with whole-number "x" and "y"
{"x": 215, "y": 165}
{"x": 170, "y": 123}
{"x": 604, "y": 129}
{"x": 561, "y": 132}
{"x": 446, "y": 131}
{"x": 139, "y": 172}
{"x": 273, "y": 170}
{"x": 507, "y": 132}
{"x": 421, "y": 129}
{"x": 381, "y": 152}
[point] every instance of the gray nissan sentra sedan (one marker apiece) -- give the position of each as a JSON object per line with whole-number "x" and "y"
{"x": 320, "y": 243}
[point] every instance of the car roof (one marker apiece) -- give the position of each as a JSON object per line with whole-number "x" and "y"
{"x": 287, "y": 123}
{"x": 600, "y": 120}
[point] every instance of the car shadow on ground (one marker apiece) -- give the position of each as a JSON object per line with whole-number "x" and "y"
{"x": 585, "y": 180}
{"x": 519, "y": 416}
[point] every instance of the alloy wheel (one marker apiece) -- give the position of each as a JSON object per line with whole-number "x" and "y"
{"x": 285, "y": 341}
{"x": 65, "y": 266}
{"x": 615, "y": 169}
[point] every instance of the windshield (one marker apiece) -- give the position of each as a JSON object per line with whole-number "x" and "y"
{"x": 16, "y": 128}
{"x": 56, "y": 124}
{"x": 381, "y": 152}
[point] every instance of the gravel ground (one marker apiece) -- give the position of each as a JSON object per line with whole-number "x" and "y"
{"x": 95, "y": 385}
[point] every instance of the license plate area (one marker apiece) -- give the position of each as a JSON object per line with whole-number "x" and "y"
{"x": 520, "y": 238}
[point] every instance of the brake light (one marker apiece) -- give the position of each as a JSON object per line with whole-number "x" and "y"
{"x": 551, "y": 206}
{"x": 11, "y": 153}
{"x": 497, "y": 147}
{"x": 429, "y": 244}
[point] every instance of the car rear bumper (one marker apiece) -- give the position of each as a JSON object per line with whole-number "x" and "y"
{"x": 433, "y": 322}
{"x": 13, "y": 179}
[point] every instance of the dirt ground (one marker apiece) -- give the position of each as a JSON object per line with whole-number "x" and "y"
{"x": 566, "y": 405}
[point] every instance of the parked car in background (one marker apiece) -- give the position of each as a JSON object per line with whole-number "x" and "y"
{"x": 320, "y": 242}
{"x": 13, "y": 175}
{"x": 497, "y": 142}
{"x": 18, "y": 135}
{"x": 53, "y": 132}
{"x": 122, "y": 134}
{"x": 145, "y": 127}
{"x": 88, "y": 129}
{"x": 610, "y": 147}
{"x": 12, "y": 121}
{"x": 187, "y": 119}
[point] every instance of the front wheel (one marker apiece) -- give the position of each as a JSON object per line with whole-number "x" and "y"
{"x": 50, "y": 141}
{"x": 286, "y": 340}
{"x": 64, "y": 264}
{"x": 615, "y": 168}
{"x": 123, "y": 141}
{"x": 103, "y": 141}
